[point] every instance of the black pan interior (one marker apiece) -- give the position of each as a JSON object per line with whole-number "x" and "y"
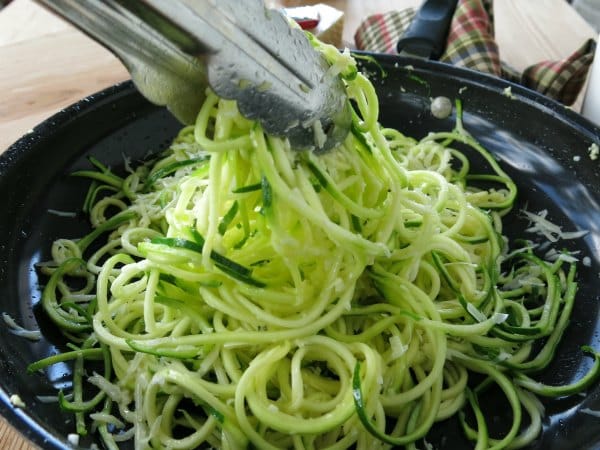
{"x": 541, "y": 144}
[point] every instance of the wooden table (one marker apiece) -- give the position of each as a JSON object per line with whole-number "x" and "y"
{"x": 47, "y": 65}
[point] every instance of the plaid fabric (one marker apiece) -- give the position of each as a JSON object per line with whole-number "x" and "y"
{"x": 471, "y": 44}
{"x": 471, "y": 41}
{"x": 380, "y": 32}
{"x": 561, "y": 79}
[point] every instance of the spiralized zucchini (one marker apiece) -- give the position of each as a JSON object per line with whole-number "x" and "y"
{"x": 236, "y": 293}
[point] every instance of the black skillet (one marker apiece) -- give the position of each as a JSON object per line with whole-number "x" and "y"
{"x": 541, "y": 144}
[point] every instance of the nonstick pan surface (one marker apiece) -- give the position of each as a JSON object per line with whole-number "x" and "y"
{"x": 540, "y": 143}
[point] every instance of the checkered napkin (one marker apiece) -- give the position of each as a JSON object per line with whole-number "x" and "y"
{"x": 471, "y": 44}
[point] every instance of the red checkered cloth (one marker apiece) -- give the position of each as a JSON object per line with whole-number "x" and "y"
{"x": 471, "y": 44}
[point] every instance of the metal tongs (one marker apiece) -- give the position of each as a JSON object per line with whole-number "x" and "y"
{"x": 174, "y": 49}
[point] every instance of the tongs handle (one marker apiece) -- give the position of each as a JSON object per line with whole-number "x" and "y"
{"x": 427, "y": 33}
{"x": 162, "y": 72}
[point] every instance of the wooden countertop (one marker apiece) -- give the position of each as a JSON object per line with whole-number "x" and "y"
{"x": 47, "y": 64}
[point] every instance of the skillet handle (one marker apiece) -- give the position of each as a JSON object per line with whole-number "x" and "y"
{"x": 426, "y": 36}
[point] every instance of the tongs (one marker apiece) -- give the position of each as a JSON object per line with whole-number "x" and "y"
{"x": 175, "y": 49}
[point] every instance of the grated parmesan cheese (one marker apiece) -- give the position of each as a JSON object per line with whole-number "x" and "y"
{"x": 16, "y": 400}
{"x": 320, "y": 136}
{"x": 60, "y": 213}
{"x": 477, "y": 315}
{"x": 594, "y": 151}
{"x": 498, "y": 318}
{"x": 397, "y": 347}
{"x": 73, "y": 439}
{"x": 552, "y": 232}
{"x": 340, "y": 64}
{"x": 507, "y": 92}
{"x": 553, "y": 255}
{"x": 503, "y": 356}
{"x": 574, "y": 234}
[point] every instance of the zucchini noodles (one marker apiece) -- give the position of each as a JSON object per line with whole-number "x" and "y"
{"x": 235, "y": 293}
